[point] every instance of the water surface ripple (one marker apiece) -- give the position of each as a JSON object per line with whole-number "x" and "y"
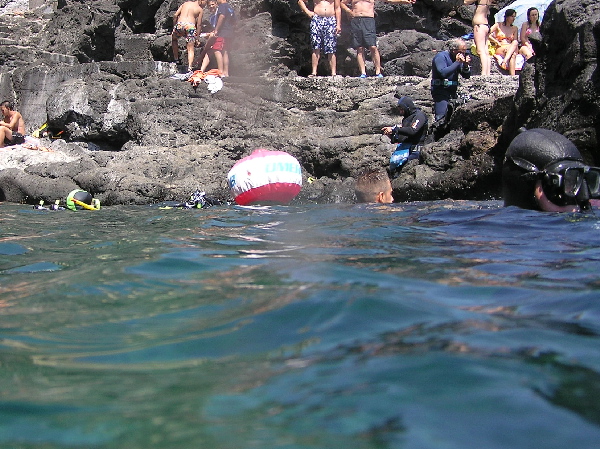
{"x": 426, "y": 325}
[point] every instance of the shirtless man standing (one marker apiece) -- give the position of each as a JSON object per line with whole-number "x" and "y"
{"x": 187, "y": 20}
{"x": 12, "y": 126}
{"x": 325, "y": 26}
{"x": 364, "y": 34}
{"x": 481, "y": 31}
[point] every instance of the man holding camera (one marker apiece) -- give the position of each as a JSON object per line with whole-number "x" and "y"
{"x": 447, "y": 65}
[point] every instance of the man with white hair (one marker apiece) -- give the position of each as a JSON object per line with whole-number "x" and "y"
{"x": 446, "y": 67}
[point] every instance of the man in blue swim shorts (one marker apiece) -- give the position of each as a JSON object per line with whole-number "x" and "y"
{"x": 364, "y": 34}
{"x": 187, "y": 19}
{"x": 325, "y": 26}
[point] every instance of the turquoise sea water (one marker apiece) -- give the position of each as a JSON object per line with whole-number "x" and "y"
{"x": 429, "y": 325}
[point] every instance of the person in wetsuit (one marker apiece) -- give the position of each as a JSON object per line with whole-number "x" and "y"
{"x": 408, "y": 135}
{"x": 446, "y": 67}
{"x": 543, "y": 170}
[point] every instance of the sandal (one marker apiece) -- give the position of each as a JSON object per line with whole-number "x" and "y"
{"x": 312, "y": 75}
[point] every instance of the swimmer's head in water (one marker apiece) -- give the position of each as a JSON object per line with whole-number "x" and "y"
{"x": 540, "y": 157}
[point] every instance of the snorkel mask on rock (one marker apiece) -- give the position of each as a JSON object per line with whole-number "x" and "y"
{"x": 80, "y": 199}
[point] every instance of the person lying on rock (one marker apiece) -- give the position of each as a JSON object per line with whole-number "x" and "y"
{"x": 543, "y": 170}
{"x": 187, "y": 20}
{"x": 325, "y": 26}
{"x": 374, "y": 186}
{"x": 447, "y": 65}
{"x": 408, "y": 135}
{"x": 12, "y": 126}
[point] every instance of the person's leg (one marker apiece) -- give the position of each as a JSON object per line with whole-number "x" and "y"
{"x": 441, "y": 107}
{"x": 526, "y": 51}
{"x": 376, "y": 59}
{"x": 219, "y": 59}
{"x": 480, "y": 33}
{"x": 190, "y": 54}
{"x": 175, "y": 46}
{"x": 332, "y": 63}
{"x": 316, "y": 55}
{"x": 4, "y": 135}
{"x": 225, "y": 63}
{"x": 360, "y": 59}
{"x": 205, "y": 62}
{"x": 511, "y": 57}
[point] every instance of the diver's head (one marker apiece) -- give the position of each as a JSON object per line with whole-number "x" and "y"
{"x": 405, "y": 106}
{"x": 543, "y": 170}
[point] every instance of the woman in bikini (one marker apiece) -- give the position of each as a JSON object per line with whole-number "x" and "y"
{"x": 506, "y": 36}
{"x": 481, "y": 30}
{"x": 531, "y": 26}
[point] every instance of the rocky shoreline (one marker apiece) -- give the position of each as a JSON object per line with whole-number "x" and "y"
{"x": 133, "y": 135}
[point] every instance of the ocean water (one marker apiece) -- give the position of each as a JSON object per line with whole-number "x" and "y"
{"x": 428, "y": 325}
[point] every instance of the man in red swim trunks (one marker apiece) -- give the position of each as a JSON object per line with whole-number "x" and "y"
{"x": 187, "y": 20}
{"x": 220, "y": 39}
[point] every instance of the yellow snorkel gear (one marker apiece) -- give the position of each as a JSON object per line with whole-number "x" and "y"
{"x": 82, "y": 199}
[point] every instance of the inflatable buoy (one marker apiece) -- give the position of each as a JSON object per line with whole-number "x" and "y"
{"x": 265, "y": 177}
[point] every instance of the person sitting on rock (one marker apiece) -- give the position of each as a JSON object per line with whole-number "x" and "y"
{"x": 187, "y": 19}
{"x": 374, "y": 186}
{"x": 325, "y": 26}
{"x": 532, "y": 25}
{"x": 447, "y": 65}
{"x": 543, "y": 170}
{"x": 506, "y": 36}
{"x": 408, "y": 135}
{"x": 12, "y": 126}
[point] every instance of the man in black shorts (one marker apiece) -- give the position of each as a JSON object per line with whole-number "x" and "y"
{"x": 364, "y": 34}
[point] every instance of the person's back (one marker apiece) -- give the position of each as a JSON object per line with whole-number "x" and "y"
{"x": 189, "y": 12}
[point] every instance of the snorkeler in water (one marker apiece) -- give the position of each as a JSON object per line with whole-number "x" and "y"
{"x": 543, "y": 170}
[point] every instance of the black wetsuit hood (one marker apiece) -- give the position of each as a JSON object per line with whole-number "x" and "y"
{"x": 530, "y": 151}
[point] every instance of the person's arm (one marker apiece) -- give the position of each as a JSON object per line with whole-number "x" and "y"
{"x": 410, "y": 2}
{"x": 445, "y": 66}
{"x": 305, "y": 9}
{"x": 515, "y": 33}
{"x": 14, "y": 122}
{"x": 492, "y": 34}
{"x": 414, "y": 128}
{"x": 177, "y": 14}
{"x": 220, "y": 21}
{"x": 344, "y": 6}
{"x": 199, "y": 23}
{"x": 338, "y": 16}
{"x": 523, "y": 38}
